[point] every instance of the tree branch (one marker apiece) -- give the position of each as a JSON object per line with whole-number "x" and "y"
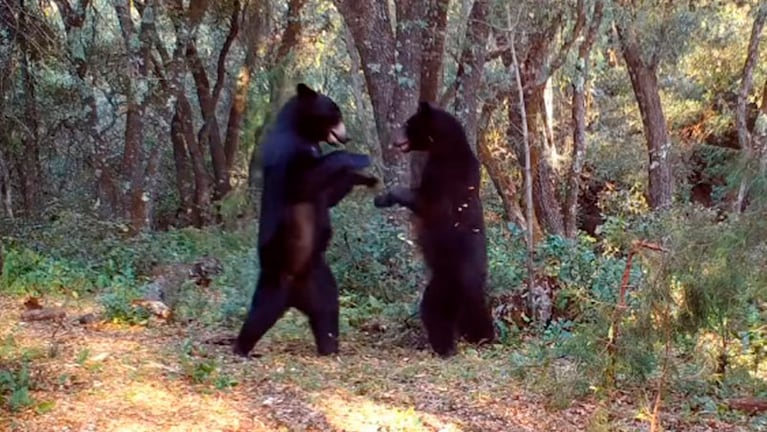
{"x": 559, "y": 60}
{"x": 234, "y": 28}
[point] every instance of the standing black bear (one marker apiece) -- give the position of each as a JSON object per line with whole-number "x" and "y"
{"x": 450, "y": 226}
{"x": 300, "y": 186}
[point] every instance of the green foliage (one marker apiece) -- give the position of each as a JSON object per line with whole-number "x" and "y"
{"x": 371, "y": 255}
{"x": 721, "y": 287}
{"x": 16, "y": 381}
{"x": 15, "y": 385}
{"x": 26, "y": 271}
{"x": 201, "y": 368}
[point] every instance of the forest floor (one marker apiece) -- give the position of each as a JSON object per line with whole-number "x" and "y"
{"x": 108, "y": 377}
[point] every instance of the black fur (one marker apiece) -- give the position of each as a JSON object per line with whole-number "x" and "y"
{"x": 300, "y": 186}
{"x": 451, "y": 229}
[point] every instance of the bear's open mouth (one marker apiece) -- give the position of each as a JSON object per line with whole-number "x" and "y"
{"x": 337, "y": 135}
{"x": 402, "y": 145}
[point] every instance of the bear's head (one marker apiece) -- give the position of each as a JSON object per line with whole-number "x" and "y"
{"x": 318, "y": 117}
{"x": 429, "y": 125}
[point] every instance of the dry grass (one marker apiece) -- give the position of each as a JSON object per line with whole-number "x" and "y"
{"x": 116, "y": 378}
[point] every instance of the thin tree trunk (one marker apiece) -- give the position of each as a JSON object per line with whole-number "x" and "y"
{"x": 201, "y": 202}
{"x": 528, "y": 167}
{"x": 184, "y": 173}
{"x": 5, "y": 189}
{"x": 498, "y": 161}
{"x": 579, "y": 123}
{"x": 236, "y": 114}
{"x": 31, "y": 172}
{"x": 746, "y": 85}
{"x": 209, "y": 132}
{"x": 760, "y": 132}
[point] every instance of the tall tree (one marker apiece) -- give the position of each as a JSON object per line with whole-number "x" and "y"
{"x": 648, "y": 33}
{"x": 539, "y": 58}
{"x": 644, "y": 80}
{"x": 137, "y": 166}
{"x": 29, "y": 164}
{"x": 578, "y": 86}
{"x": 745, "y": 137}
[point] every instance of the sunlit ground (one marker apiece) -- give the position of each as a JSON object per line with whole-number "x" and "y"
{"x": 164, "y": 378}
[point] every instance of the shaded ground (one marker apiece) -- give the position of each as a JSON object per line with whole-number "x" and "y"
{"x": 107, "y": 377}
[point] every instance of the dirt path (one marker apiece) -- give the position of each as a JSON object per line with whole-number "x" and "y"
{"x": 116, "y": 378}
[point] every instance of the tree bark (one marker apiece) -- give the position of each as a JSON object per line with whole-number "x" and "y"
{"x": 391, "y": 62}
{"x": 362, "y": 102}
{"x": 434, "y": 49}
{"x": 644, "y": 81}
{"x": 201, "y": 214}
{"x": 579, "y": 123}
{"x": 5, "y": 189}
{"x": 745, "y": 138}
{"x": 184, "y": 174}
{"x": 278, "y": 62}
{"x": 471, "y": 68}
{"x": 498, "y": 161}
{"x": 132, "y": 170}
{"x": 31, "y": 169}
{"x": 545, "y": 202}
{"x": 536, "y": 68}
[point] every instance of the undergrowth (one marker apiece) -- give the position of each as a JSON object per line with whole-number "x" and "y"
{"x": 703, "y": 295}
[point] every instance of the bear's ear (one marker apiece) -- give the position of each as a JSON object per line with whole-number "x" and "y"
{"x": 424, "y": 107}
{"x": 303, "y": 91}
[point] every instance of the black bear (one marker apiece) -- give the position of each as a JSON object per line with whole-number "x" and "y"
{"x": 300, "y": 185}
{"x": 450, "y": 228}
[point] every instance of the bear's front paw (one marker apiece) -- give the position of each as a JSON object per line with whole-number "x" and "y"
{"x": 383, "y": 200}
{"x": 371, "y": 182}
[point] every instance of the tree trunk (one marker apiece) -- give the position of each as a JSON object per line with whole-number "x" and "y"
{"x": 391, "y": 62}
{"x": 644, "y": 81}
{"x": 132, "y": 171}
{"x": 545, "y": 202}
{"x": 184, "y": 174}
{"x": 535, "y": 71}
{"x": 209, "y": 132}
{"x": 5, "y": 188}
{"x": 208, "y": 99}
{"x": 200, "y": 215}
{"x": 236, "y": 114}
{"x": 498, "y": 161}
{"x": 31, "y": 169}
{"x": 471, "y": 68}
{"x": 434, "y": 49}
{"x": 362, "y": 102}
{"x": 578, "y": 110}
{"x": 745, "y": 139}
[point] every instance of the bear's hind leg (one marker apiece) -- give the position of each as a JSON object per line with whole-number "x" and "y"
{"x": 438, "y": 314}
{"x": 475, "y": 320}
{"x": 270, "y": 301}
{"x": 319, "y": 301}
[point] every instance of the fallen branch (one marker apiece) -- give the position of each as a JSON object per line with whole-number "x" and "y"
{"x": 749, "y": 405}
{"x": 44, "y": 314}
